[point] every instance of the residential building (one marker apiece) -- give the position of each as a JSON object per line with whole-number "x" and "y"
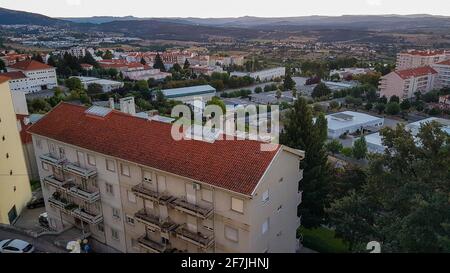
{"x": 444, "y": 100}
{"x": 405, "y": 83}
{"x": 127, "y": 182}
{"x": 349, "y": 122}
{"x": 76, "y": 51}
{"x": 30, "y": 76}
{"x": 87, "y": 67}
{"x": 206, "y": 70}
{"x": 15, "y": 189}
{"x": 443, "y": 76}
{"x": 107, "y": 85}
{"x": 189, "y": 94}
{"x": 263, "y": 75}
{"x": 419, "y": 58}
{"x": 346, "y": 72}
{"x": 23, "y": 123}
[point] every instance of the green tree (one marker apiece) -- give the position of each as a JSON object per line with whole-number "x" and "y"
{"x": 394, "y": 98}
{"x": 393, "y": 108}
{"x": 73, "y": 83}
{"x": 217, "y": 101}
{"x": 94, "y": 88}
{"x": 360, "y": 148}
{"x": 405, "y": 105}
{"x": 288, "y": 83}
{"x": 258, "y": 90}
{"x": 300, "y": 132}
{"x": 380, "y": 107}
{"x": 143, "y": 62}
{"x": 321, "y": 90}
{"x": 108, "y": 55}
{"x": 141, "y": 85}
{"x": 334, "y": 146}
{"x": 186, "y": 64}
{"x": 159, "y": 63}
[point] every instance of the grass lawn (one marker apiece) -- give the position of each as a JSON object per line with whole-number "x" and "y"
{"x": 322, "y": 240}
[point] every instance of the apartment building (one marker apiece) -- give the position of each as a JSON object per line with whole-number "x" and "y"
{"x": 404, "y": 83}
{"x": 420, "y": 58}
{"x": 30, "y": 76}
{"x": 443, "y": 77}
{"x": 128, "y": 183}
{"x": 15, "y": 189}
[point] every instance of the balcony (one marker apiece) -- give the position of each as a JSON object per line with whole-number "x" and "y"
{"x": 198, "y": 238}
{"x": 141, "y": 191}
{"x": 182, "y": 205}
{"x": 62, "y": 204}
{"x": 88, "y": 217}
{"x": 87, "y": 196}
{"x": 49, "y": 159}
{"x": 153, "y": 221}
{"x": 52, "y": 181}
{"x": 151, "y": 245}
{"x": 80, "y": 171}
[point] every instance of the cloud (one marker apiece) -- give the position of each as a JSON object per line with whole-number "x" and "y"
{"x": 374, "y": 2}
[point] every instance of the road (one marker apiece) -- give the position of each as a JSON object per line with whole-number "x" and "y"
{"x": 41, "y": 245}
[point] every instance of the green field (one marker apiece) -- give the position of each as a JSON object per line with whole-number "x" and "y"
{"x": 322, "y": 240}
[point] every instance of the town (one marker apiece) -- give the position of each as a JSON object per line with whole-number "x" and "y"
{"x": 89, "y": 162}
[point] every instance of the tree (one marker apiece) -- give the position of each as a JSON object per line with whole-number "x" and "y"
{"x": 94, "y": 88}
{"x": 37, "y": 58}
{"x": 404, "y": 202}
{"x": 383, "y": 99}
{"x": 288, "y": 83}
{"x": 360, "y": 148}
{"x": 393, "y": 108}
{"x": 108, "y": 55}
{"x": 89, "y": 59}
{"x": 334, "y": 104}
{"x": 141, "y": 85}
{"x": 73, "y": 83}
{"x": 334, "y": 146}
{"x": 258, "y": 90}
{"x": 300, "y": 132}
{"x": 369, "y": 106}
{"x": 2, "y": 65}
{"x": 394, "y": 98}
{"x": 278, "y": 94}
{"x": 186, "y": 64}
{"x": 217, "y": 101}
{"x": 405, "y": 105}
{"x": 321, "y": 90}
{"x": 380, "y": 107}
{"x": 159, "y": 63}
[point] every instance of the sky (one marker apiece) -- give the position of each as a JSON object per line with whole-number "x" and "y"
{"x": 226, "y": 8}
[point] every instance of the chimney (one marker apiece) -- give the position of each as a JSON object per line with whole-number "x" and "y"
{"x": 111, "y": 103}
{"x": 127, "y": 105}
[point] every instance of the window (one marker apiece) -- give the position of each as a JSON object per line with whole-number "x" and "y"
{"x": 114, "y": 234}
{"x": 279, "y": 208}
{"x": 237, "y": 205}
{"x": 265, "y": 196}
{"x": 125, "y": 170}
{"x": 110, "y": 165}
{"x": 131, "y": 197}
{"x": 207, "y": 195}
{"x": 45, "y": 166}
{"x": 281, "y": 180}
{"x": 91, "y": 160}
{"x": 147, "y": 177}
{"x": 130, "y": 220}
{"x": 265, "y": 226}
{"x": 109, "y": 188}
{"x": 231, "y": 234}
{"x": 116, "y": 213}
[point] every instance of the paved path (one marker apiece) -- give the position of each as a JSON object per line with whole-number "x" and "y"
{"x": 41, "y": 245}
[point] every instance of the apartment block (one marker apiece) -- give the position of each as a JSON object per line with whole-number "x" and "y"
{"x": 443, "y": 77}
{"x": 15, "y": 189}
{"x": 130, "y": 185}
{"x": 405, "y": 83}
{"x": 420, "y": 58}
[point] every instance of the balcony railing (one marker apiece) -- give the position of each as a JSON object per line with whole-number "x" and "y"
{"x": 80, "y": 171}
{"x": 153, "y": 221}
{"x": 196, "y": 238}
{"x": 88, "y": 217}
{"x": 87, "y": 196}
{"x": 192, "y": 209}
{"x": 49, "y": 159}
{"x": 151, "y": 245}
{"x": 62, "y": 204}
{"x": 51, "y": 180}
{"x": 143, "y": 192}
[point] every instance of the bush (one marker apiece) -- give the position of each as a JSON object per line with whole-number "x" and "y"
{"x": 334, "y": 146}
{"x": 393, "y": 108}
{"x": 258, "y": 90}
{"x": 347, "y": 151}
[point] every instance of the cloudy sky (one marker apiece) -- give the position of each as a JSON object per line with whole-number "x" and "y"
{"x": 226, "y": 8}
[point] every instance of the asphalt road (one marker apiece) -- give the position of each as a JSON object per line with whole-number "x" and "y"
{"x": 41, "y": 245}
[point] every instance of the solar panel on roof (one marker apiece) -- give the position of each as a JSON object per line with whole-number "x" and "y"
{"x": 98, "y": 111}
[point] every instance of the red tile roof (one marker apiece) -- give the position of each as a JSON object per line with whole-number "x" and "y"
{"x": 415, "y": 72}
{"x": 447, "y": 62}
{"x": 30, "y": 65}
{"x": 24, "y": 135}
{"x": 425, "y": 53}
{"x": 236, "y": 165}
{"x": 14, "y": 75}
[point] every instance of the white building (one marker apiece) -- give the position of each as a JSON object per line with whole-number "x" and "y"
{"x": 375, "y": 143}
{"x": 443, "y": 76}
{"x": 31, "y": 76}
{"x": 107, "y": 85}
{"x": 76, "y": 51}
{"x": 263, "y": 75}
{"x": 191, "y": 94}
{"x": 344, "y": 72}
{"x": 348, "y": 122}
{"x": 416, "y": 58}
{"x": 145, "y": 74}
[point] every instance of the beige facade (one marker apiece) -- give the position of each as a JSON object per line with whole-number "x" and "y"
{"x": 15, "y": 189}
{"x": 405, "y": 85}
{"x": 413, "y": 58}
{"x": 135, "y": 208}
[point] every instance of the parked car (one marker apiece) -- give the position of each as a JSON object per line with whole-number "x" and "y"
{"x": 36, "y": 202}
{"x": 43, "y": 220}
{"x": 15, "y": 246}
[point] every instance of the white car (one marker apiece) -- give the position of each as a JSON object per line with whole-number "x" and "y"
{"x": 15, "y": 246}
